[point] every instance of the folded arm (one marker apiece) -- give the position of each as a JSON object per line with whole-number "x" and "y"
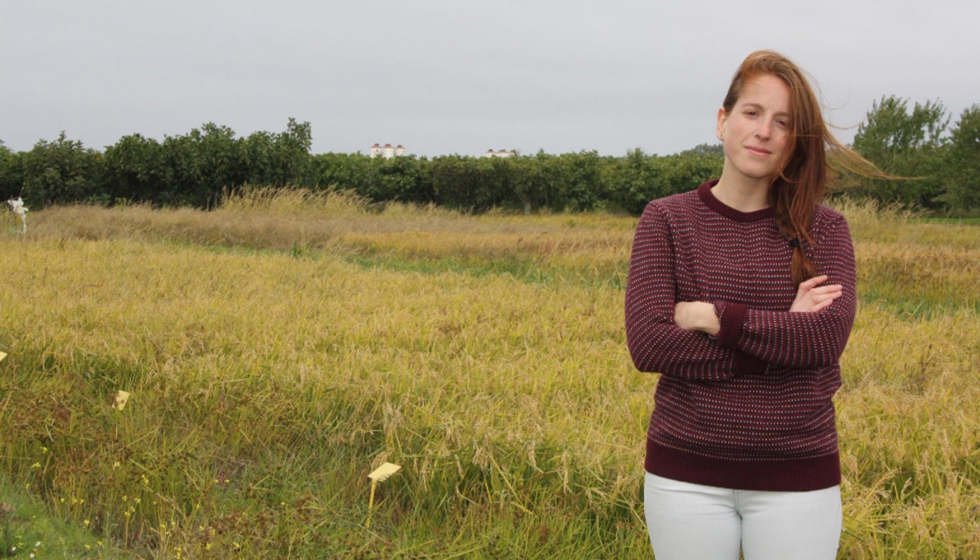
{"x": 656, "y": 342}
{"x": 812, "y": 333}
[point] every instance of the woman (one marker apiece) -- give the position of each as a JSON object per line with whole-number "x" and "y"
{"x": 741, "y": 294}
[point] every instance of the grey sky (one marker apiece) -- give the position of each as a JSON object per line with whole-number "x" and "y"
{"x": 453, "y": 76}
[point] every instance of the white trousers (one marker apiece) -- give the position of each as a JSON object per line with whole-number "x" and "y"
{"x": 694, "y": 522}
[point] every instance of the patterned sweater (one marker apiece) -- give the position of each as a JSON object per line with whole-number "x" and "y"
{"x": 752, "y": 407}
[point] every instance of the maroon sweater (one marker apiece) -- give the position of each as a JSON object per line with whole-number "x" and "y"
{"x": 751, "y": 408}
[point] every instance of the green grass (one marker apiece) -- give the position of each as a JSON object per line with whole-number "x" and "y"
{"x": 28, "y": 529}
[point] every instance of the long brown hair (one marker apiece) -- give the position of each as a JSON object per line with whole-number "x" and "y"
{"x": 801, "y": 178}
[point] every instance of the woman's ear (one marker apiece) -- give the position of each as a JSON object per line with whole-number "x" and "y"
{"x": 720, "y": 132}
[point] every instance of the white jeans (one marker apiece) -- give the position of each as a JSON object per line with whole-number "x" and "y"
{"x": 693, "y": 522}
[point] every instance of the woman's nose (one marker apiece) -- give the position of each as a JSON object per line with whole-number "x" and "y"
{"x": 764, "y": 130}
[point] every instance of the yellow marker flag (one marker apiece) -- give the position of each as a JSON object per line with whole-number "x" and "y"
{"x": 2, "y": 356}
{"x": 379, "y": 474}
{"x": 384, "y": 471}
{"x": 121, "y": 398}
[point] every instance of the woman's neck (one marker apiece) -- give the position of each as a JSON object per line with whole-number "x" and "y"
{"x": 744, "y": 196}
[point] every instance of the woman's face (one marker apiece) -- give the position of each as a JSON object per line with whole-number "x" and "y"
{"x": 756, "y": 132}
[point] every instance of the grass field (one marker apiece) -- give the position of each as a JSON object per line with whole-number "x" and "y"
{"x": 281, "y": 347}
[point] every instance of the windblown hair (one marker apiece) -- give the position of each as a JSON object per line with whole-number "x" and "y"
{"x": 801, "y": 177}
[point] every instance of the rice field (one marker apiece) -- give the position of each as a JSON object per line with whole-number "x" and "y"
{"x": 281, "y": 347}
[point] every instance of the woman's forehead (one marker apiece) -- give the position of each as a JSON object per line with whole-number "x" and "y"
{"x": 766, "y": 91}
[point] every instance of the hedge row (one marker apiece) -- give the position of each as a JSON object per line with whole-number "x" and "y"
{"x": 575, "y": 181}
{"x": 182, "y": 170}
{"x": 195, "y": 169}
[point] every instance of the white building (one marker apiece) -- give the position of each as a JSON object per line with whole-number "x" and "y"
{"x": 501, "y": 153}
{"x": 387, "y": 151}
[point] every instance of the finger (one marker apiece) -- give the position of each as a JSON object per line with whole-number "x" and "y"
{"x": 833, "y": 289}
{"x": 811, "y": 283}
{"x": 815, "y": 280}
{"x": 825, "y": 299}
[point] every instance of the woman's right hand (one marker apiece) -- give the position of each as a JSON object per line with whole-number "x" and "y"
{"x": 812, "y": 297}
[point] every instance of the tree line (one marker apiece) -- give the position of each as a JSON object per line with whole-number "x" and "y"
{"x": 940, "y": 165}
{"x": 917, "y": 142}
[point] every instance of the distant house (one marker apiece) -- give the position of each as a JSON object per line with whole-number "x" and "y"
{"x": 501, "y": 153}
{"x": 387, "y": 151}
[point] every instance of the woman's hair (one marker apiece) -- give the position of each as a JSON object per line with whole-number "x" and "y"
{"x": 802, "y": 174}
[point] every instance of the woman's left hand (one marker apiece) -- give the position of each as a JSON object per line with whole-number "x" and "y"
{"x": 812, "y": 297}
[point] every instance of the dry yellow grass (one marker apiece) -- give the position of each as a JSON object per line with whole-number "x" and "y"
{"x": 269, "y": 379}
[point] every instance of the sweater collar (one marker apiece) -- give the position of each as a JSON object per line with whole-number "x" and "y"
{"x": 704, "y": 192}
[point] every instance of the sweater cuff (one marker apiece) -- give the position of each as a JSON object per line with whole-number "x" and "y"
{"x": 731, "y": 316}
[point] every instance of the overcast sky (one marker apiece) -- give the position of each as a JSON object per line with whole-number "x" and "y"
{"x": 458, "y": 76}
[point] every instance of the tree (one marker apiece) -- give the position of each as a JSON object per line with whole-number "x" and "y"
{"x": 201, "y": 165}
{"x": 905, "y": 144}
{"x": 11, "y": 175}
{"x": 580, "y": 186}
{"x": 279, "y": 159}
{"x": 635, "y": 180}
{"x": 716, "y": 149}
{"x": 134, "y": 169}
{"x": 62, "y": 172}
{"x": 962, "y": 184}
{"x": 293, "y": 152}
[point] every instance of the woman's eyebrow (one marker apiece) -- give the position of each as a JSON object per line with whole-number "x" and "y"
{"x": 762, "y": 108}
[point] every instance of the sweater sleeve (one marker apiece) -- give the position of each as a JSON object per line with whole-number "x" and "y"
{"x": 655, "y": 342}
{"x": 800, "y": 340}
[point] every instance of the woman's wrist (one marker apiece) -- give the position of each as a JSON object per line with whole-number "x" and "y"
{"x": 710, "y": 321}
